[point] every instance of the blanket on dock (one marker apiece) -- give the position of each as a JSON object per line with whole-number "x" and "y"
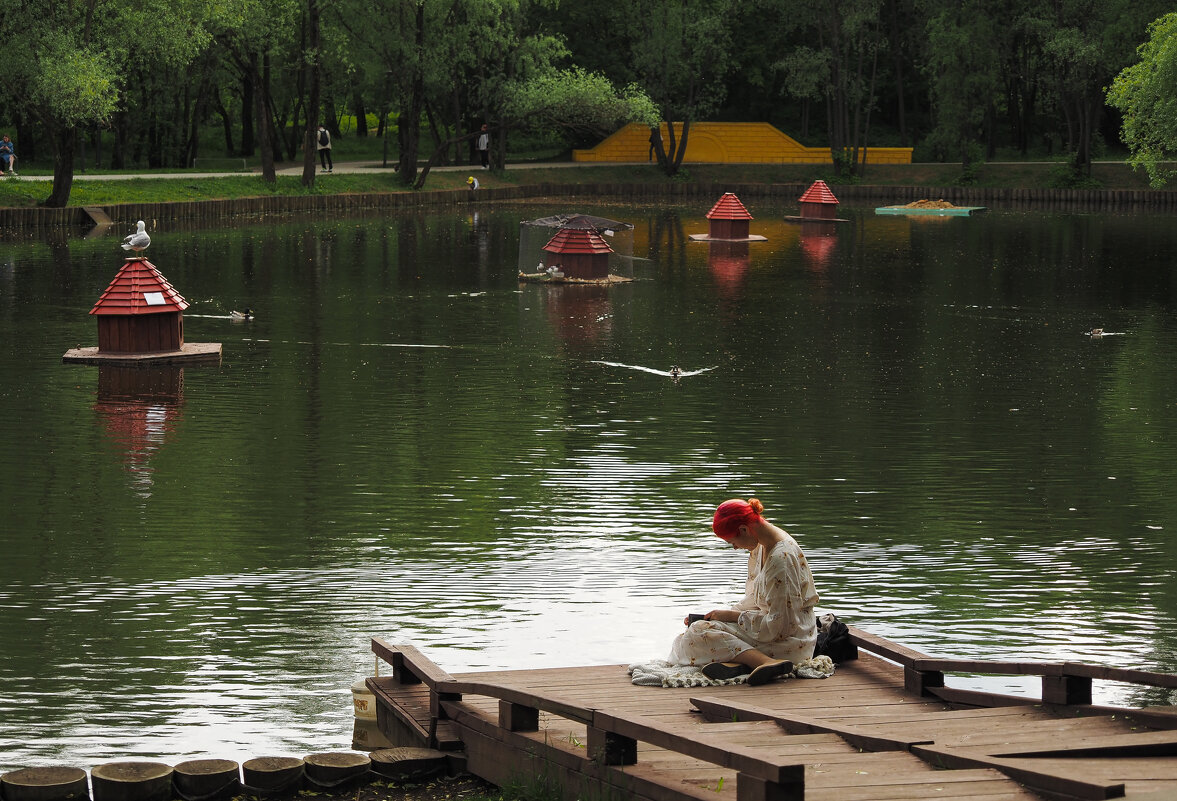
{"x": 660, "y": 673}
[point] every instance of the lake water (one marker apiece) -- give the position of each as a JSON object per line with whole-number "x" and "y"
{"x": 407, "y": 443}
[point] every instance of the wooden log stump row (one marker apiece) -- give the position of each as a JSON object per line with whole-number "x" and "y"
{"x": 44, "y": 784}
{"x": 336, "y": 769}
{"x": 409, "y": 763}
{"x": 131, "y": 781}
{"x": 206, "y": 779}
{"x": 272, "y": 776}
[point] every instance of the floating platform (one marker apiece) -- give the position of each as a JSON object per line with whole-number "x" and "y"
{"x": 710, "y": 238}
{"x": 956, "y": 211}
{"x": 884, "y": 726}
{"x": 545, "y": 278}
{"x": 189, "y": 353}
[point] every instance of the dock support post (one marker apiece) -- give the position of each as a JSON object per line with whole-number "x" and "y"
{"x": 400, "y": 670}
{"x": 611, "y": 749}
{"x": 918, "y": 681}
{"x": 750, "y": 788}
{"x": 1066, "y": 689}
{"x": 516, "y": 717}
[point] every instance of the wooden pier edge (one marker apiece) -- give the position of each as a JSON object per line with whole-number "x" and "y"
{"x": 505, "y": 726}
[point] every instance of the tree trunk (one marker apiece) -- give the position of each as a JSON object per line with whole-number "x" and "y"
{"x": 64, "y": 142}
{"x": 248, "y": 112}
{"x": 361, "y": 111}
{"x": 409, "y": 127}
{"x": 313, "y": 59}
{"x": 226, "y": 122}
{"x": 261, "y": 116}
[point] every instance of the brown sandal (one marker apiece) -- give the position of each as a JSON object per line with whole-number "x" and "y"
{"x": 719, "y": 671}
{"x": 769, "y": 671}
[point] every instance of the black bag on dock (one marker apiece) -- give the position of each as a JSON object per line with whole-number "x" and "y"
{"x": 833, "y": 639}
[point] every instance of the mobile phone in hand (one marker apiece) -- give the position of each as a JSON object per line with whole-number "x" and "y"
{"x": 692, "y": 618}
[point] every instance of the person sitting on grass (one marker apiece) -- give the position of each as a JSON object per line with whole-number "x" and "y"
{"x": 774, "y": 627}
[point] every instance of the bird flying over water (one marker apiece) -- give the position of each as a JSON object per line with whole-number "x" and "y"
{"x": 139, "y": 240}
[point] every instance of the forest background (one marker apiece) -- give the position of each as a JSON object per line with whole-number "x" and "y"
{"x": 166, "y": 84}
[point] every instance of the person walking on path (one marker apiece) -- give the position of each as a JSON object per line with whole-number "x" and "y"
{"x": 7, "y": 156}
{"x": 323, "y": 145}
{"x": 655, "y": 142}
{"x": 483, "y": 146}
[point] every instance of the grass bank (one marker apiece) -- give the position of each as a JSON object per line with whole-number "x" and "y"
{"x": 373, "y": 179}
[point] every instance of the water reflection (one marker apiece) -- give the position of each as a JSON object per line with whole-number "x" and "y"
{"x": 408, "y": 443}
{"x": 139, "y": 408}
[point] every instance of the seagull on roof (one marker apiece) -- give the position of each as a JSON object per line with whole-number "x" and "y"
{"x": 139, "y": 240}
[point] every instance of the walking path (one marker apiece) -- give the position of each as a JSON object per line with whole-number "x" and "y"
{"x": 340, "y": 167}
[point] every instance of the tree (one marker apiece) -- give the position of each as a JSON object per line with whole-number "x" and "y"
{"x": 65, "y": 63}
{"x": 962, "y": 69}
{"x": 681, "y": 51}
{"x": 570, "y": 101}
{"x": 1144, "y": 93}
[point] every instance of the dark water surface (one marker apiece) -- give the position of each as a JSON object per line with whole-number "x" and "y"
{"x": 407, "y": 443}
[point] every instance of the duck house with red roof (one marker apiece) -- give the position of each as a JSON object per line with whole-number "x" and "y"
{"x": 818, "y": 202}
{"x": 729, "y": 222}
{"x": 579, "y": 252}
{"x": 141, "y": 321}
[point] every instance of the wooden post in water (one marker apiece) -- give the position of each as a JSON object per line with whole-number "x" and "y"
{"x": 132, "y": 781}
{"x": 409, "y": 763}
{"x": 326, "y": 771}
{"x": 272, "y": 775}
{"x": 200, "y": 779}
{"x": 44, "y": 784}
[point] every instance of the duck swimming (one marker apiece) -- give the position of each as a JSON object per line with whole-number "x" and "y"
{"x": 675, "y": 371}
{"x": 241, "y": 315}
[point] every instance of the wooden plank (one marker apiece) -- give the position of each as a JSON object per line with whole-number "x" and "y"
{"x": 710, "y": 749}
{"x": 419, "y": 664}
{"x": 1131, "y": 770}
{"x": 1041, "y": 780}
{"x": 1131, "y": 744}
{"x": 885, "y": 648}
{"x": 1145, "y": 677}
{"x": 547, "y": 703}
{"x": 803, "y": 724}
{"x": 989, "y": 667}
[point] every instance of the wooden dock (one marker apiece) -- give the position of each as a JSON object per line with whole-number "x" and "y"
{"x": 885, "y": 726}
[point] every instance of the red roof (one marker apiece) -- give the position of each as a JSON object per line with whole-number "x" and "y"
{"x": 577, "y": 240}
{"x": 728, "y": 207}
{"x": 139, "y": 289}
{"x": 818, "y": 193}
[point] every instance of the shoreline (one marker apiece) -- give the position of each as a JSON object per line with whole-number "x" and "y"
{"x": 881, "y": 194}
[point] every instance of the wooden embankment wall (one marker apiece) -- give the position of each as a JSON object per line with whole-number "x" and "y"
{"x": 885, "y": 726}
{"x": 15, "y": 219}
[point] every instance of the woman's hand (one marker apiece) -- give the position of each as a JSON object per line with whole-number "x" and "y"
{"x": 723, "y": 615}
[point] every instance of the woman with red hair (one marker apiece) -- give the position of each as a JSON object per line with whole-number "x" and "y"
{"x": 775, "y": 625}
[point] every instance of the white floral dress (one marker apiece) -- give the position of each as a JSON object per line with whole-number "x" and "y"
{"x": 776, "y": 615}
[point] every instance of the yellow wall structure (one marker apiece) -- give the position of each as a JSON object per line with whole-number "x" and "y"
{"x": 728, "y": 142}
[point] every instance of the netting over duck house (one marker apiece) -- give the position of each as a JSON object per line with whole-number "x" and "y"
{"x": 534, "y": 236}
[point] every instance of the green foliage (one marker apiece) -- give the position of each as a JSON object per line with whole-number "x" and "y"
{"x": 1146, "y": 94}
{"x": 76, "y": 84}
{"x": 1071, "y": 175}
{"x": 577, "y": 102}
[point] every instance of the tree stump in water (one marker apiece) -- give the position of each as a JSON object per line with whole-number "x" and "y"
{"x": 132, "y": 781}
{"x": 45, "y": 784}
{"x": 409, "y": 763}
{"x": 272, "y": 775}
{"x": 199, "y": 779}
{"x": 336, "y": 769}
